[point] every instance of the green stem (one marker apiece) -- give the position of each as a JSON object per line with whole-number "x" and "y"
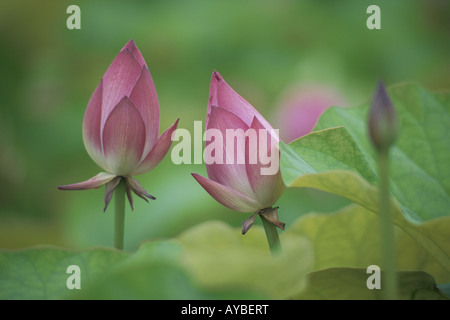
{"x": 387, "y": 232}
{"x": 119, "y": 216}
{"x": 272, "y": 236}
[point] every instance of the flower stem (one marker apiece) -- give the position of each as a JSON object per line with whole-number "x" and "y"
{"x": 387, "y": 231}
{"x": 272, "y": 236}
{"x": 119, "y": 216}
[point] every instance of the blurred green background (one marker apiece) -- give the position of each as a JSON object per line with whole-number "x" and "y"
{"x": 261, "y": 48}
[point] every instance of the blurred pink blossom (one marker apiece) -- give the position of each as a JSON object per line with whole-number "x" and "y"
{"x": 301, "y": 108}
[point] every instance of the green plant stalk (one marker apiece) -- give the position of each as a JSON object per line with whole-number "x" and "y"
{"x": 389, "y": 283}
{"x": 119, "y": 214}
{"x": 272, "y": 236}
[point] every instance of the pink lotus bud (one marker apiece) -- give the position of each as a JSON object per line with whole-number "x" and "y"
{"x": 237, "y": 178}
{"x": 302, "y": 107}
{"x": 121, "y": 125}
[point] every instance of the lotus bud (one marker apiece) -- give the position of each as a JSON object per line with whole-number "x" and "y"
{"x": 245, "y": 185}
{"x": 121, "y": 126}
{"x": 383, "y": 125}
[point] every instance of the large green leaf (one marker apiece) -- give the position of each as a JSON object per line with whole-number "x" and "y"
{"x": 351, "y": 238}
{"x": 221, "y": 258}
{"x": 154, "y": 272}
{"x": 341, "y": 161}
{"x": 350, "y": 284}
{"x": 210, "y": 261}
{"x": 40, "y": 273}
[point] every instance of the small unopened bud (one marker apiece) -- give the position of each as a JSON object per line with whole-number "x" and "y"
{"x": 382, "y": 120}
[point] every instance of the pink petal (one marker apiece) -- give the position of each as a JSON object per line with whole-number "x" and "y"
{"x": 119, "y": 81}
{"x": 123, "y": 138}
{"x": 267, "y": 188}
{"x": 158, "y": 152}
{"x": 93, "y": 183}
{"x": 131, "y": 45}
{"x": 223, "y": 96}
{"x": 233, "y": 174}
{"x": 227, "y": 196}
{"x": 91, "y": 127}
{"x": 145, "y": 100}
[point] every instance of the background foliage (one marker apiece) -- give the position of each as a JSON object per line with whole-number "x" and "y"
{"x": 263, "y": 49}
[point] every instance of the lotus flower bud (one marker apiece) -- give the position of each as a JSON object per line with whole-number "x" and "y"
{"x": 121, "y": 125}
{"x": 244, "y": 185}
{"x": 383, "y": 125}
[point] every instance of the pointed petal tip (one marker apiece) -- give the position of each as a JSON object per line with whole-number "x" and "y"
{"x": 170, "y": 129}
{"x": 381, "y": 87}
{"x": 216, "y": 75}
{"x": 126, "y": 99}
{"x": 159, "y": 151}
{"x": 248, "y": 223}
{"x": 175, "y": 124}
{"x": 135, "y": 186}
{"x": 381, "y": 96}
{"x": 132, "y": 49}
{"x": 130, "y": 45}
